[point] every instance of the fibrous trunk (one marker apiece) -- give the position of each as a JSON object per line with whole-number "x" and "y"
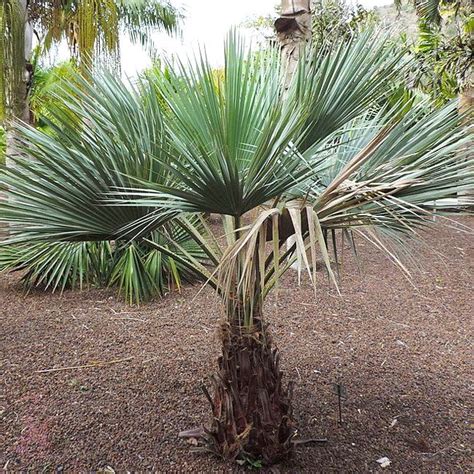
{"x": 252, "y": 413}
{"x": 293, "y": 29}
{"x": 20, "y": 75}
{"x": 466, "y": 107}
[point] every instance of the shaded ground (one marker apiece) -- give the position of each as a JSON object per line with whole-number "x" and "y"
{"x": 402, "y": 355}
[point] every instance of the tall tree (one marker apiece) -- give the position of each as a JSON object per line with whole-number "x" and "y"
{"x": 293, "y": 29}
{"x": 91, "y": 28}
{"x": 15, "y": 66}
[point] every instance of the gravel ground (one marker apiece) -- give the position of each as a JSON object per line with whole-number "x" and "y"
{"x": 401, "y": 353}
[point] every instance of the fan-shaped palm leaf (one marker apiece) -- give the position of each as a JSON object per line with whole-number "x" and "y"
{"x": 55, "y": 265}
{"x": 100, "y": 137}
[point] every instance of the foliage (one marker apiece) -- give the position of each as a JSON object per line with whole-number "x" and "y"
{"x": 444, "y": 49}
{"x": 46, "y": 90}
{"x": 442, "y": 63}
{"x": 55, "y": 265}
{"x": 93, "y": 28}
{"x": 128, "y": 128}
{"x": 337, "y": 20}
{"x": 329, "y": 158}
{"x": 137, "y": 270}
{"x": 234, "y": 147}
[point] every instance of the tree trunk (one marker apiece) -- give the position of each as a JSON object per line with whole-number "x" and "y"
{"x": 466, "y": 96}
{"x": 18, "y": 89}
{"x": 252, "y": 414}
{"x": 294, "y": 32}
{"x": 293, "y": 29}
{"x": 19, "y": 108}
{"x": 466, "y": 106}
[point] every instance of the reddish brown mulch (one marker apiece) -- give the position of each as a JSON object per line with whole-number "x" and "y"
{"x": 402, "y": 354}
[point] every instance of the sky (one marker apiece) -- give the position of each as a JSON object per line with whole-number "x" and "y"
{"x": 206, "y": 24}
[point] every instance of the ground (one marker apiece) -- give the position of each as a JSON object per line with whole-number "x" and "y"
{"x": 402, "y": 354}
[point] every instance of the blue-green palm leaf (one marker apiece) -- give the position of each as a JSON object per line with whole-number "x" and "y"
{"x": 240, "y": 141}
{"x": 103, "y": 136}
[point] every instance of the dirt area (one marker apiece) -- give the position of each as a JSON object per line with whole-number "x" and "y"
{"x": 401, "y": 353}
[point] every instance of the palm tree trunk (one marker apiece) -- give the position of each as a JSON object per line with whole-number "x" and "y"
{"x": 466, "y": 96}
{"x": 252, "y": 413}
{"x": 466, "y": 106}
{"x": 293, "y": 29}
{"x": 19, "y": 107}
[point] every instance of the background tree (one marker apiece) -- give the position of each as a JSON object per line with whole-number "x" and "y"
{"x": 91, "y": 28}
{"x": 15, "y": 66}
{"x": 46, "y": 90}
{"x": 334, "y": 21}
{"x": 331, "y": 21}
{"x": 293, "y": 28}
{"x": 444, "y": 51}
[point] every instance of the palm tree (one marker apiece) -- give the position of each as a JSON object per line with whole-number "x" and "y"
{"x": 139, "y": 271}
{"x": 446, "y": 48}
{"x": 329, "y": 158}
{"x": 91, "y": 28}
{"x": 15, "y": 54}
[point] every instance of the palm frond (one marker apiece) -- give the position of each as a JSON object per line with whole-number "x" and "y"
{"x": 235, "y": 144}
{"x": 429, "y": 10}
{"x": 56, "y": 265}
{"x": 130, "y": 275}
{"x": 139, "y": 270}
{"x": 338, "y": 86}
{"x": 112, "y": 137}
{"x": 93, "y": 29}
{"x": 140, "y": 18}
{"x": 385, "y": 177}
{"x": 101, "y": 137}
{"x": 424, "y": 157}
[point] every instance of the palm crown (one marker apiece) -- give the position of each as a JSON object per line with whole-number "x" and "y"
{"x": 189, "y": 141}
